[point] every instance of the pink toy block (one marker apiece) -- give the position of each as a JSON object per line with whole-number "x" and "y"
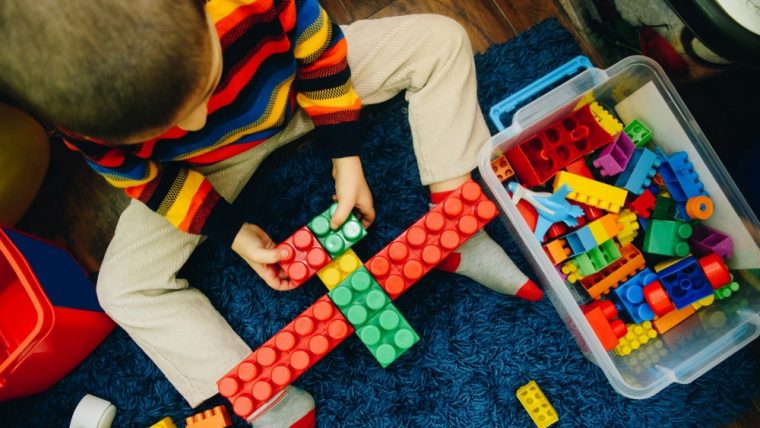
{"x": 615, "y": 156}
{"x": 706, "y": 240}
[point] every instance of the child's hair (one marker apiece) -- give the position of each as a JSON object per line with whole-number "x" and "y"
{"x": 103, "y": 68}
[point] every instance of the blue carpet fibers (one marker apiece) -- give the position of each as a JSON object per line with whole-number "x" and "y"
{"x": 476, "y": 347}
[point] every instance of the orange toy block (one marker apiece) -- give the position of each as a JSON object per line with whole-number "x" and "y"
{"x": 557, "y": 251}
{"x": 605, "y": 228}
{"x": 579, "y": 167}
{"x": 214, "y": 418}
{"x": 630, "y": 262}
{"x": 591, "y": 192}
{"x": 502, "y": 168}
{"x": 433, "y": 237}
{"x": 284, "y": 357}
{"x": 305, "y": 256}
{"x": 672, "y": 319}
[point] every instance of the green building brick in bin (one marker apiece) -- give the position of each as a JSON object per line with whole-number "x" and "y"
{"x": 359, "y": 297}
{"x": 667, "y": 238}
{"x": 597, "y": 258}
{"x": 336, "y": 241}
{"x": 387, "y": 335}
{"x": 664, "y": 208}
{"x": 639, "y": 134}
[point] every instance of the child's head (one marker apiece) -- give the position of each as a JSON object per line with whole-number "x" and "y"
{"x": 119, "y": 71}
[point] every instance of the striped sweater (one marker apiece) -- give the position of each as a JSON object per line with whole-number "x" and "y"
{"x": 277, "y": 55}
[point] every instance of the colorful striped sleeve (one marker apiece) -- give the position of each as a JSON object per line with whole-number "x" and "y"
{"x": 183, "y": 196}
{"x": 323, "y": 80}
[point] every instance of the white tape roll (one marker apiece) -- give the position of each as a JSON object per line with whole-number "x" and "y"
{"x": 93, "y": 412}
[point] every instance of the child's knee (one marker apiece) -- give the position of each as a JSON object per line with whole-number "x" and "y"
{"x": 443, "y": 28}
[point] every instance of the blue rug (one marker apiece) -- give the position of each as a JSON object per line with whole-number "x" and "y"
{"x": 476, "y": 347}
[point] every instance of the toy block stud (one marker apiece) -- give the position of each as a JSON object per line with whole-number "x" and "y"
{"x": 629, "y": 227}
{"x": 658, "y": 299}
{"x": 685, "y": 282}
{"x": 166, "y": 422}
{"x": 214, "y": 418}
{"x": 432, "y": 238}
{"x": 607, "y": 329}
{"x": 664, "y": 208}
{"x": 591, "y": 192}
{"x": 706, "y": 240}
{"x": 638, "y": 133}
{"x": 667, "y": 238}
{"x": 535, "y": 403}
{"x": 613, "y": 159}
{"x": 727, "y": 290}
{"x": 715, "y": 270}
{"x": 359, "y": 297}
{"x": 557, "y": 251}
{"x": 305, "y": 256}
{"x": 638, "y": 335}
{"x": 630, "y": 262}
{"x": 630, "y": 296}
{"x": 336, "y": 241}
{"x": 699, "y": 207}
{"x": 387, "y": 335}
{"x": 339, "y": 269}
{"x": 284, "y": 357}
{"x": 502, "y": 168}
{"x": 702, "y": 303}
{"x": 666, "y": 322}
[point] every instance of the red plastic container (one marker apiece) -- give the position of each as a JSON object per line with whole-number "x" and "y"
{"x": 49, "y": 316}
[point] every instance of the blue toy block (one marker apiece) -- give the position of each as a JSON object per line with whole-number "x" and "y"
{"x": 629, "y": 297}
{"x": 685, "y": 282}
{"x": 639, "y": 172}
{"x": 643, "y": 223}
{"x": 679, "y": 177}
{"x": 581, "y": 241}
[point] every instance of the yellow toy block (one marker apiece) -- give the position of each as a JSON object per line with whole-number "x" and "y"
{"x": 662, "y": 265}
{"x": 591, "y": 192}
{"x": 164, "y": 423}
{"x": 604, "y": 228}
{"x": 638, "y": 334}
{"x": 707, "y": 301}
{"x": 571, "y": 270}
{"x": 629, "y": 227}
{"x": 538, "y": 407}
{"x": 607, "y": 121}
{"x": 339, "y": 269}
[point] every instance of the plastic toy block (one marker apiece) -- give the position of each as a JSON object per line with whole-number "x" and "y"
{"x": 638, "y": 133}
{"x": 528, "y": 213}
{"x": 579, "y": 167}
{"x": 557, "y": 251}
{"x": 639, "y": 172}
{"x": 502, "y": 169}
{"x": 305, "y": 256}
{"x": 166, "y": 422}
{"x": 339, "y": 269}
{"x": 214, "y": 418}
{"x": 667, "y": 238}
{"x": 605, "y": 228}
{"x": 613, "y": 159}
{"x": 629, "y": 227}
{"x": 681, "y": 180}
{"x": 638, "y": 335}
{"x": 591, "y": 192}
{"x": 646, "y": 357}
{"x": 284, "y": 357}
{"x": 630, "y": 262}
{"x": 706, "y": 240}
{"x": 727, "y": 290}
{"x": 657, "y": 298}
{"x": 387, "y": 335}
{"x": 359, "y": 297}
{"x": 699, "y": 207}
{"x": 581, "y": 240}
{"x": 715, "y": 270}
{"x": 609, "y": 331}
{"x": 535, "y": 403}
{"x": 665, "y": 323}
{"x": 664, "y": 208}
{"x": 336, "y": 241}
{"x": 551, "y": 208}
{"x": 707, "y": 301}
{"x": 630, "y": 297}
{"x": 643, "y": 204}
{"x": 536, "y": 159}
{"x": 607, "y": 121}
{"x": 431, "y": 238}
{"x": 685, "y": 282}
{"x": 592, "y": 261}
{"x": 591, "y": 213}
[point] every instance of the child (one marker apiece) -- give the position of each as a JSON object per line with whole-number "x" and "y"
{"x": 179, "y": 102}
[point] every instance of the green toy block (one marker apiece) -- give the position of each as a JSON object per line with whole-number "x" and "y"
{"x": 639, "y": 134}
{"x": 387, "y": 335}
{"x": 667, "y": 238}
{"x": 359, "y": 297}
{"x": 336, "y": 241}
{"x": 664, "y": 208}
{"x": 597, "y": 258}
{"x": 727, "y": 290}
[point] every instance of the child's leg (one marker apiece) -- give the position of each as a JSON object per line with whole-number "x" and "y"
{"x": 430, "y": 58}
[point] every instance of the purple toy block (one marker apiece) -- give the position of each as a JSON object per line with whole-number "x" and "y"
{"x": 706, "y": 240}
{"x": 615, "y": 156}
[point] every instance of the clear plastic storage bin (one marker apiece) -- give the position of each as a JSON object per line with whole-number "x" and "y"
{"x": 636, "y": 87}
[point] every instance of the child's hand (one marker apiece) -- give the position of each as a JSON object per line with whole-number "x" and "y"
{"x": 258, "y": 250}
{"x": 351, "y": 190}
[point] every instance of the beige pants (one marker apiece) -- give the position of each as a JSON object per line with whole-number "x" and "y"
{"x": 427, "y": 56}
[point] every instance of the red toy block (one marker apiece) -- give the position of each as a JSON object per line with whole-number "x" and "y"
{"x": 715, "y": 270}
{"x": 557, "y": 229}
{"x": 305, "y": 256}
{"x": 284, "y": 357}
{"x": 579, "y": 167}
{"x": 528, "y": 213}
{"x": 591, "y": 213}
{"x": 643, "y": 204}
{"x": 630, "y": 262}
{"x": 658, "y": 298}
{"x": 537, "y": 158}
{"x": 214, "y": 418}
{"x": 608, "y": 330}
{"x": 433, "y": 237}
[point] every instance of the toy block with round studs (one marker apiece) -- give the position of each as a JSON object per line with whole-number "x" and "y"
{"x": 339, "y": 269}
{"x": 336, "y": 241}
{"x": 387, "y": 335}
{"x": 305, "y": 256}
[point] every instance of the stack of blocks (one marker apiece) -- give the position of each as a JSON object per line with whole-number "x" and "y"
{"x": 359, "y": 297}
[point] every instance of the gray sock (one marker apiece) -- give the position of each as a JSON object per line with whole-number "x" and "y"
{"x": 284, "y": 410}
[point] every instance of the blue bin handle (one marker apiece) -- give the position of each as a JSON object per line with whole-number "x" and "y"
{"x": 510, "y": 103}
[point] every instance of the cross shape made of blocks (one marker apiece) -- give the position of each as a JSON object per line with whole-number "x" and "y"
{"x": 360, "y": 297}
